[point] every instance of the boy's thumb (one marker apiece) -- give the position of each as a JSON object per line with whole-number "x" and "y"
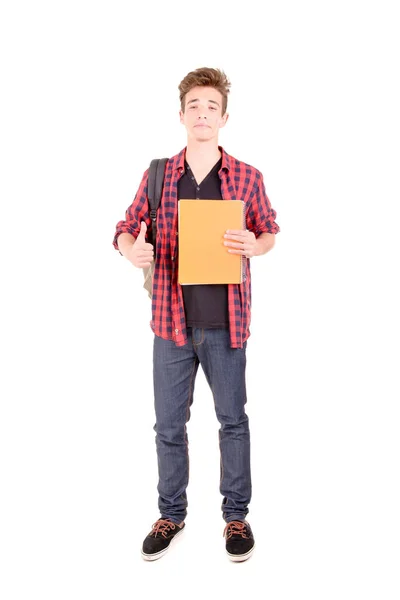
{"x": 143, "y": 229}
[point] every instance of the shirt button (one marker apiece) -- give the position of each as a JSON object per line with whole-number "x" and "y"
{"x": 198, "y": 188}
{"x": 176, "y": 331}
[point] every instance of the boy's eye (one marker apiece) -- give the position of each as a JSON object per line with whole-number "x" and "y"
{"x": 193, "y": 106}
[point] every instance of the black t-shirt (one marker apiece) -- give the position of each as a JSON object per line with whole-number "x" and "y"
{"x": 205, "y": 305}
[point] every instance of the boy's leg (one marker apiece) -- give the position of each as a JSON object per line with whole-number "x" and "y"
{"x": 174, "y": 374}
{"x": 224, "y": 368}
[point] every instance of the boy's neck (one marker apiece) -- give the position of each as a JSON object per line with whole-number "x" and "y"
{"x": 202, "y": 153}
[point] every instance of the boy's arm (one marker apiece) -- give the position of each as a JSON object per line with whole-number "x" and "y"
{"x": 264, "y": 243}
{"x": 259, "y": 236}
{"x": 125, "y": 242}
{"x": 138, "y": 211}
{"x": 260, "y": 217}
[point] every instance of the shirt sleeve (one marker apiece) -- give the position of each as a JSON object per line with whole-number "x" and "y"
{"x": 260, "y": 217}
{"x": 138, "y": 211}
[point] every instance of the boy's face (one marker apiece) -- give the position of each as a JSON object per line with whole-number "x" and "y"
{"x": 202, "y": 117}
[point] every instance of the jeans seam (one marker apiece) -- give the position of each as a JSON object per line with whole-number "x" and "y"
{"x": 187, "y": 417}
{"x": 221, "y": 475}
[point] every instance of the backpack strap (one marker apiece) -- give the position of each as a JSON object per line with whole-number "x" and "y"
{"x": 154, "y": 192}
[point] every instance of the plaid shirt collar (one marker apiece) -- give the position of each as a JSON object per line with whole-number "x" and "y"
{"x": 179, "y": 160}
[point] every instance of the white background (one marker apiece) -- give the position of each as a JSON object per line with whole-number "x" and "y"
{"x": 89, "y": 97}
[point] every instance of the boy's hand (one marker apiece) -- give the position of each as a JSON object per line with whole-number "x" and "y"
{"x": 245, "y": 242}
{"x": 141, "y": 254}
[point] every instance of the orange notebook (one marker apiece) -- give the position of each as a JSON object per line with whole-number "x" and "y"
{"x": 202, "y": 256}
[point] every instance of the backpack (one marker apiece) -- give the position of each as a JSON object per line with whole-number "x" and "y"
{"x": 154, "y": 193}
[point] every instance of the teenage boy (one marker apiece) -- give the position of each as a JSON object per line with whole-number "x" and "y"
{"x": 200, "y": 324}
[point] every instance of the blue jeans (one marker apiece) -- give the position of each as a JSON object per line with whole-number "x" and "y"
{"x": 174, "y": 374}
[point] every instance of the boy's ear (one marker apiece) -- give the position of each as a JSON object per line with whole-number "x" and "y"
{"x": 224, "y": 119}
{"x": 181, "y": 116}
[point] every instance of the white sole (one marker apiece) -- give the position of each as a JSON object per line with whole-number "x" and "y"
{"x": 241, "y": 557}
{"x": 162, "y": 552}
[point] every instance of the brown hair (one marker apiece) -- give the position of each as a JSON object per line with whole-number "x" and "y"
{"x": 205, "y": 77}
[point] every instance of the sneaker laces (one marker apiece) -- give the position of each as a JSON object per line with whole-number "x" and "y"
{"x": 235, "y": 528}
{"x": 162, "y": 526}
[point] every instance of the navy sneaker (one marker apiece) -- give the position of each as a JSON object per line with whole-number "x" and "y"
{"x": 239, "y": 540}
{"x": 160, "y": 537}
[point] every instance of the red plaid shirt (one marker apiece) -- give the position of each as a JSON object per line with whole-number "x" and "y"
{"x": 238, "y": 181}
